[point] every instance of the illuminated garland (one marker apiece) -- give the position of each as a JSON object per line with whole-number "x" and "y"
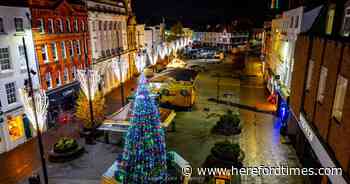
{"x": 120, "y": 69}
{"x": 94, "y": 77}
{"x": 144, "y": 157}
{"x": 41, "y": 102}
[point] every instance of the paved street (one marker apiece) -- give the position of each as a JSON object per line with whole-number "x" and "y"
{"x": 260, "y": 138}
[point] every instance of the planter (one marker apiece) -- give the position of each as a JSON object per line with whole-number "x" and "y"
{"x": 229, "y": 124}
{"x": 65, "y": 149}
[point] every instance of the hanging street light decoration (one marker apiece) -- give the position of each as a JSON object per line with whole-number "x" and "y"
{"x": 140, "y": 62}
{"x": 120, "y": 69}
{"x": 83, "y": 77}
{"x": 41, "y": 103}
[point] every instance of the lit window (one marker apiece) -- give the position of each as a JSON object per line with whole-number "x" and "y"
{"x": 19, "y": 25}
{"x": 48, "y": 80}
{"x": 74, "y": 72}
{"x": 339, "y": 99}
{"x": 309, "y": 74}
{"x": 5, "y": 59}
{"x": 63, "y": 50}
{"x": 50, "y": 26}
{"x": 2, "y": 30}
{"x": 77, "y": 46}
{"x": 54, "y": 51}
{"x": 44, "y": 53}
{"x": 322, "y": 84}
{"x": 346, "y": 26}
{"x": 68, "y": 25}
{"x": 76, "y": 28}
{"x": 11, "y": 92}
{"x": 41, "y": 25}
{"x": 330, "y": 19}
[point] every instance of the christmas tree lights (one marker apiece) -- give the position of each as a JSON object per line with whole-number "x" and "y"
{"x": 144, "y": 157}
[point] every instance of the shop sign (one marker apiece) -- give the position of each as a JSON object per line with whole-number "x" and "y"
{"x": 320, "y": 151}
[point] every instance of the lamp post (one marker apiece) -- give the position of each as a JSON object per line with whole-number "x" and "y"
{"x": 121, "y": 79}
{"x": 38, "y": 129}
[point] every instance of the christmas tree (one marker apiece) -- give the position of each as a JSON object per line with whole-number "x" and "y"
{"x": 144, "y": 157}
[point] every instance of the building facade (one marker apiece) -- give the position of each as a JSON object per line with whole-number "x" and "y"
{"x": 319, "y": 125}
{"x": 14, "y": 25}
{"x": 154, "y": 36}
{"x": 108, "y": 31}
{"x": 61, "y": 41}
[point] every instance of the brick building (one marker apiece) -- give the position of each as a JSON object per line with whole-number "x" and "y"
{"x": 60, "y": 32}
{"x": 320, "y": 93}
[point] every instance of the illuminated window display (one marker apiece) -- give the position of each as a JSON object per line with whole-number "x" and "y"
{"x": 15, "y": 127}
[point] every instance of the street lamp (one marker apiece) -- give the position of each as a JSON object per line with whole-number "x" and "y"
{"x": 36, "y": 115}
{"x": 120, "y": 70}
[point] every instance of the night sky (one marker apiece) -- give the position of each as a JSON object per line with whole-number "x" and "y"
{"x": 194, "y": 12}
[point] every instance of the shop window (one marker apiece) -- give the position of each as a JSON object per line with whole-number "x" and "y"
{"x": 309, "y": 74}
{"x": 50, "y": 28}
{"x": 5, "y": 59}
{"x": 15, "y": 127}
{"x": 54, "y": 51}
{"x": 11, "y": 92}
{"x": 330, "y": 19}
{"x": 322, "y": 84}
{"x": 41, "y": 25}
{"x": 339, "y": 99}
{"x": 2, "y": 30}
{"x": 19, "y": 24}
{"x": 44, "y": 53}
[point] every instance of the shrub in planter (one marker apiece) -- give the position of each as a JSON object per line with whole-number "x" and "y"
{"x": 65, "y": 149}
{"x": 228, "y": 124}
{"x": 65, "y": 145}
{"x": 225, "y": 154}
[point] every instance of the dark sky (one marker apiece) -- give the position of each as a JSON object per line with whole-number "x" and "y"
{"x": 199, "y": 11}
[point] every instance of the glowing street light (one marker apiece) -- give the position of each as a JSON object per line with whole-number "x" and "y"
{"x": 89, "y": 80}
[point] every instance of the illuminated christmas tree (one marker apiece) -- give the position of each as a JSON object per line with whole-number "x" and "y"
{"x": 144, "y": 157}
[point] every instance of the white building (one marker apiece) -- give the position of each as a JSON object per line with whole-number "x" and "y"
{"x": 108, "y": 33}
{"x": 14, "y": 25}
{"x": 285, "y": 31}
{"x": 154, "y": 36}
{"x": 222, "y": 39}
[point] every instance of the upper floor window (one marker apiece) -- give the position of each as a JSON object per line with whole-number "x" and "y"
{"x": 296, "y": 22}
{"x": 74, "y": 72}
{"x": 68, "y": 25}
{"x": 291, "y": 22}
{"x": 58, "y": 78}
{"x": 346, "y": 26}
{"x": 339, "y": 99}
{"x": 99, "y": 25}
{"x": 93, "y": 25}
{"x": 322, "y": 84}
{"x": 48, "y": 80}
{"x": 44, "y": 52}
{"x": 77, "y": 46}
{"x": 1, "y": 25}
{"x": 82, "y": 26}
{"x": 76, "y": 28}
{"x": 63, "y": 50}
{"x": 110, "y": 25}
{"x": 5, "y": 59}
{"x": 41, "y": 25}
{"x": 11, "y": 92}
{"x": 19, "y": 25}
{"x": 65, "y": 75}
{"x": 330, "y": 19}
{"x": 71, "y": 49}
{"x": 309, "y": 74}
{"x": 59, "y": 26}
{"x": 54, "y": 51}
{"x": 105, "y": 26}
{"x": 50, "y": 27}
